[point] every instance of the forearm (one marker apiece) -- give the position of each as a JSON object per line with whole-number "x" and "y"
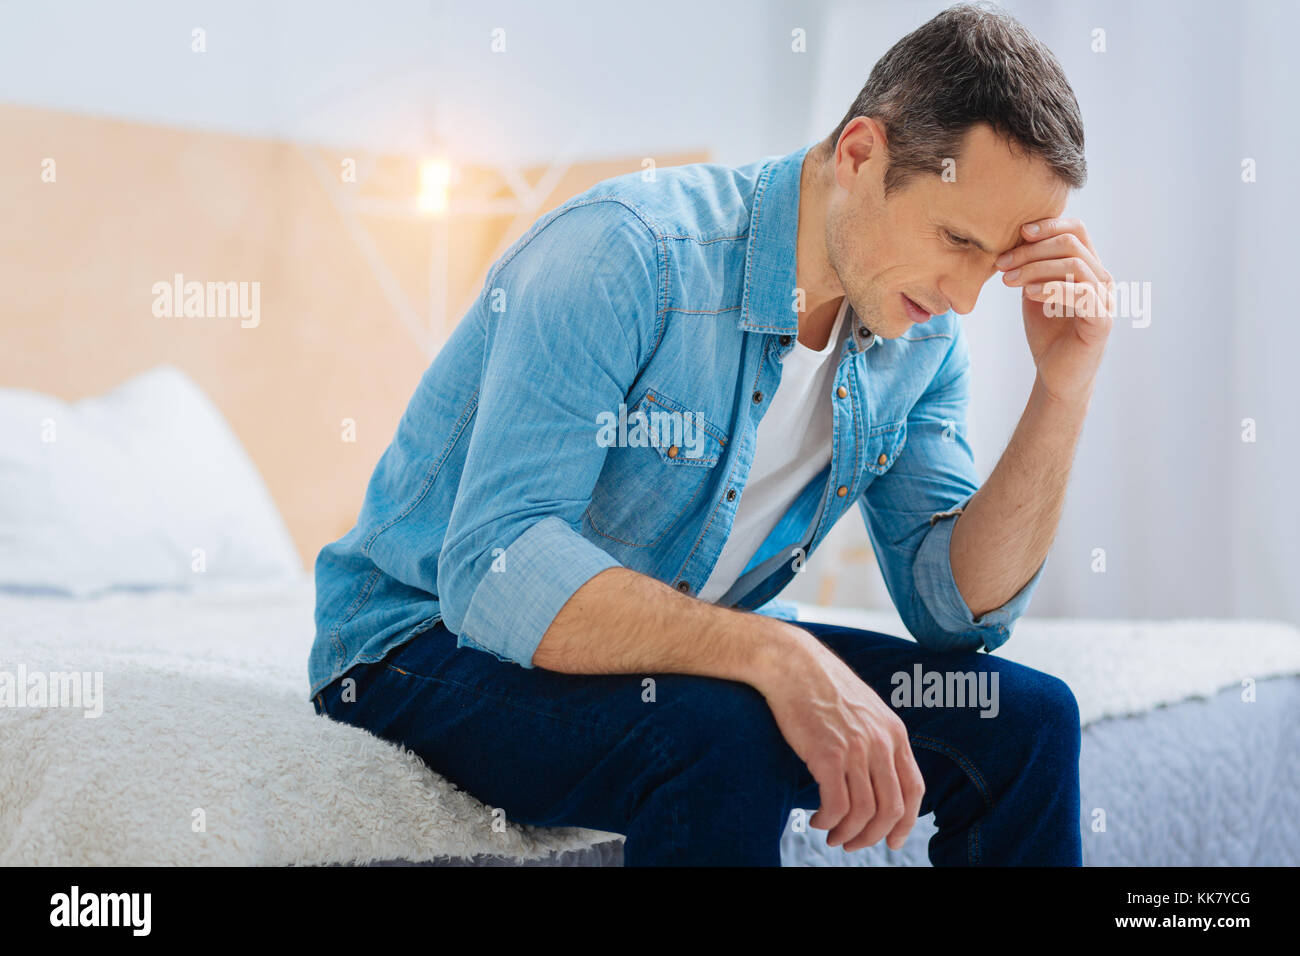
{"x": 623, "y": 622}
{"x": 853, "y": 743}
{"x": 1005, "y": 531}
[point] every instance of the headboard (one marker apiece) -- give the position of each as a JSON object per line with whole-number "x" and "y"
{"x": 356, "y": 286}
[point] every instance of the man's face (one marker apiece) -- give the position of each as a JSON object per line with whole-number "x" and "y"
{"x": 923, "y": 242}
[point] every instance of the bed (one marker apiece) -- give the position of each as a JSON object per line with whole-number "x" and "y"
{"x": 163, "y": 608}
{"x": 206, "y": 751}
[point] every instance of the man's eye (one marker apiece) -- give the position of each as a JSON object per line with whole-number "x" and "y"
{"x": 955, "y": 239}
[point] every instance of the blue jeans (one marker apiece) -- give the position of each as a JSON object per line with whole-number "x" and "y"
{"x": 694, "y": 771}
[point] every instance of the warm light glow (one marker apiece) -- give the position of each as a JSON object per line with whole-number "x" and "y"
{"x": 435, "y": 177}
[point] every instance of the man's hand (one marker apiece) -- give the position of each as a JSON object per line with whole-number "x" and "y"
{"x": 1068, "y": 304}
{"x": 853, "y": 744}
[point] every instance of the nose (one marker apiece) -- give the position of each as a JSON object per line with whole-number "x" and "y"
{"x": 962, "y": 290}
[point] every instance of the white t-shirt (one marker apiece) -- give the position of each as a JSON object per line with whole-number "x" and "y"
{"x": 793, "y": 445}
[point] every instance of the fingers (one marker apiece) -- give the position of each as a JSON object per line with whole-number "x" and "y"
{"x": 833, "y": 789}
{"x": 1047, "y": 228}
{"x": 1081, "y": 294}
{"x": 888, "y": 800}
{"x": 1093, "y": 309}
{"x": 886, "y": 796}
{"x": 863, "y": 799}
{"x": 1057, "y": 239}
{"x": 909, "y": 778}
{"x": 862, "y": 793}
{"x": 1072, "y": 269}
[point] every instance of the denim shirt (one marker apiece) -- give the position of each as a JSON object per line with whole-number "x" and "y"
{"x": 669, "y": 294}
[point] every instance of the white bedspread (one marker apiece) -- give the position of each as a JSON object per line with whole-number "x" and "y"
{"x": 205, "y": 717}
{"x": 205, "y": 721}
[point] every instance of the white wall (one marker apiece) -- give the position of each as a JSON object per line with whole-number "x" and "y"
{"x": 600, "y": 78}
{"x": 1194, "y": 521}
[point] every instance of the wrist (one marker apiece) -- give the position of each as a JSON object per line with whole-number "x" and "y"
{"x": 1072, "y": 404}
{"x": 779, "y": 650}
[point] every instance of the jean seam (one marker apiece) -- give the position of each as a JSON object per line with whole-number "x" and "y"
{"x": 973, "y": 848}
{"x": 967, "y": 766}
{"x": 973, "y": 844}
{"x": 676, "y": 844}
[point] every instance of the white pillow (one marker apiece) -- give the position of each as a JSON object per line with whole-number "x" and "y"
{"x": 144, "y": 487}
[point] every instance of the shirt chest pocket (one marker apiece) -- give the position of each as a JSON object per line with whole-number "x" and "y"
{"x": 658, "y": 467}
{"x": 884, "y": 445}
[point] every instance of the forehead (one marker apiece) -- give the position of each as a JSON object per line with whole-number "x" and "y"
{"x": 997, "y": 189}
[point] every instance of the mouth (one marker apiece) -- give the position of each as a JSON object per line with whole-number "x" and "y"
{"x": 914, "y": 311}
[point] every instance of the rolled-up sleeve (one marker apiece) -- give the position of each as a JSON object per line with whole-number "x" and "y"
{"x": 911, "y": 510}
{"x": 932, "y": 572}
{"x": 566, "y": 317}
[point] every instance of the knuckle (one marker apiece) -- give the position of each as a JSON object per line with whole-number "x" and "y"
{"x": 833, "y": 755}
{"x": 856, "y": 820}
{"x": 913, "y": 788}
{"x": 892, "y": 808}
{"x": 824, "y": 772}
{"x": 833, "y": 808}
{"x": 866, "y": 806}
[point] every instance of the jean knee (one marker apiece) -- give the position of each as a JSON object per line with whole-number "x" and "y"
{"x": 1056, "y": 703}
{"x": 1044, "y": 710}
{"x": 726, "y": 734}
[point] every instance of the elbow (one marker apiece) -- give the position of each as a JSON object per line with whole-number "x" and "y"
{"x": 934, "y": 638}
{"x": 456, "y": 581}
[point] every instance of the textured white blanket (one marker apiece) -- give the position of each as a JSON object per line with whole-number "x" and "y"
{"x": 207, "y": 751}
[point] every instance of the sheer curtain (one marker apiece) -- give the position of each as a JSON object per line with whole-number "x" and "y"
{"x": 1185, "y": 478}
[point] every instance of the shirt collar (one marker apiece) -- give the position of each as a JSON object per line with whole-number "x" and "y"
{"x": 770, "y": 274}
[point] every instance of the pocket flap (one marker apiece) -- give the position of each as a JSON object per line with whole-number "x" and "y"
{"x": 683, "y": 437}
{"x": 884, "y": 445}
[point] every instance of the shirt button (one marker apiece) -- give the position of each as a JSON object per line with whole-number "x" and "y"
{"x": 672, "y": 451}
{"x": 842, "y": 392}
{"x": 882, "y": 459}
{"x": 758, "y": 397}
{"x": 842, "y": 490}
{"x": 784, "y": 340}
{"x": 731, "y": 494}
{"x": 863, "y": 331}
{"x": 683, "y": 586}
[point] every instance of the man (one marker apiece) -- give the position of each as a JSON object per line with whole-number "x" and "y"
{"x": 665, "y": 396}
